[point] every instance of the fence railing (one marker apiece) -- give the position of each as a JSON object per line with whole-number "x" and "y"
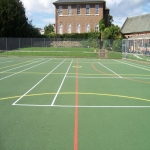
{"x": 17, "y": 43}
{"x": 59, "y": 47}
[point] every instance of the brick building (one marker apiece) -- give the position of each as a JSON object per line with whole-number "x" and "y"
{"x": 137, "y": 32}
{"x": 136, "y": 26}
{"x": 76, "y": 16}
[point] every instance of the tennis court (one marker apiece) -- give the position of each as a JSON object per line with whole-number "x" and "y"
{"x": 80, "y": 104}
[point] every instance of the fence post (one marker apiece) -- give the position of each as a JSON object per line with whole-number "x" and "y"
{"x": 6, "y": 44}
{"x": 19, "y": 43}
{"x": 31, "y": 42}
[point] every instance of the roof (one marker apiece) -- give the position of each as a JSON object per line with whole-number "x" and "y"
{"x": 77, "y": 1}
{"x": 136, "y": 24}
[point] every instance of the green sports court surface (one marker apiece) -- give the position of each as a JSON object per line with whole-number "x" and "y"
{"x": 74, "y": 104}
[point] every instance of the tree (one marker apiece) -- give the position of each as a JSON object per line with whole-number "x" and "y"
{"x": 110, "y": 20}
{"x": 48, "y": 29}
{"x": 111, "y": 32}
{"x": 117, "y": 45}
{"x": 13, "y": 21}
{"x": 101, "y": 25}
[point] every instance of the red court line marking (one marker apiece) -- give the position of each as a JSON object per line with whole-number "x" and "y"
{"x": 76, "y": 112}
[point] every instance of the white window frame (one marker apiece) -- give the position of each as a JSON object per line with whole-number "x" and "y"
{"x": 69, "y": 28}
{"x": 97, "y": 27}
{"x": 96, "y": 9}
{"x": 78, "y": 28}
{"x": 78, "y": 9}
{"x": 60, "y": 10}
{"x": 60, "y": 28}
{"x": 69, "y": 10}
{"x": 87, "y": 9}
{"x": 87, "y": 28}
{"x": 142, "y": 43}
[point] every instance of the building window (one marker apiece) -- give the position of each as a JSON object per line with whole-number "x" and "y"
{"x": 69, "y": 10}
{"x": 96, "y": 9}
{"x": 96, "y": 28}
{"x": 142, "y": 43}
{"x": 87, "y": 9}
{"x": 78, "y": 28}
{"x": 69, "y": 28}
{"x": 87, "y": 27}
{"x": 60, "y": 29}
{"x": 60, "y": 10}
{"x": 78, "y": 9}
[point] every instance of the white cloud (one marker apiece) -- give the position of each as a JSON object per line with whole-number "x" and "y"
{"x": 121, "y": 9}
{"x": 45, "y": 6}
{"x": 41, "y": 12}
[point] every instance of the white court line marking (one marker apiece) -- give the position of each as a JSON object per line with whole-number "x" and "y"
{"x": 23, "y": 70}
{"x": 136, "y": 78}
{"x": 61, "y": 84}
{"x": 132, "y": 65}
{"x": 147, "y": 67}
{"x": 110, "y": 70}
{"x": 5, "y": 62}
{"x": 21, "y": 66}
{"x": 37, "y": 83}
{"x": 71, "y": 106}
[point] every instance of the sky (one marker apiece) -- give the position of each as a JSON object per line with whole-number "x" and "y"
{"x": 42, "y": 12}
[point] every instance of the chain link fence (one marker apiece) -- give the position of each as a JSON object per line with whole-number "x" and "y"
{"x": 136, "y": 48}
{"x": 59, "y": 47}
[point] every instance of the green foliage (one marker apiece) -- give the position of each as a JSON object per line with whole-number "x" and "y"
{"x": 117, "y": 45}
{"x": 48, "y": 29}
{"x": 110, "y": 20}
{"x": 32, "y": 31}
{"x": 90, "y": 42}
{"x": 112, "y": 32}
{"x": 101, "y": 25}
{"x": 107, "y": 44}
{"x": 109, "y": 35}
{"x": 94, "y": 35}
{"x": 13, "y": 21}
{"x": 112, "y": 44}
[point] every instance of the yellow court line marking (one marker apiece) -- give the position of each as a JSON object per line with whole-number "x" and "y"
{"x": 77, "y": 66}
{"x": 73, "y": 93}
{"x": 37, "y": 73}
{"x": 17, "y": 64}
{"x": 134, "y": 75}
{"x": 58, "y": 73}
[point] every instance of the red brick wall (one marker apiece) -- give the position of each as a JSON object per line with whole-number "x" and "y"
{"x": 92, "y": 19}
{"x": 136, "y": 34}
